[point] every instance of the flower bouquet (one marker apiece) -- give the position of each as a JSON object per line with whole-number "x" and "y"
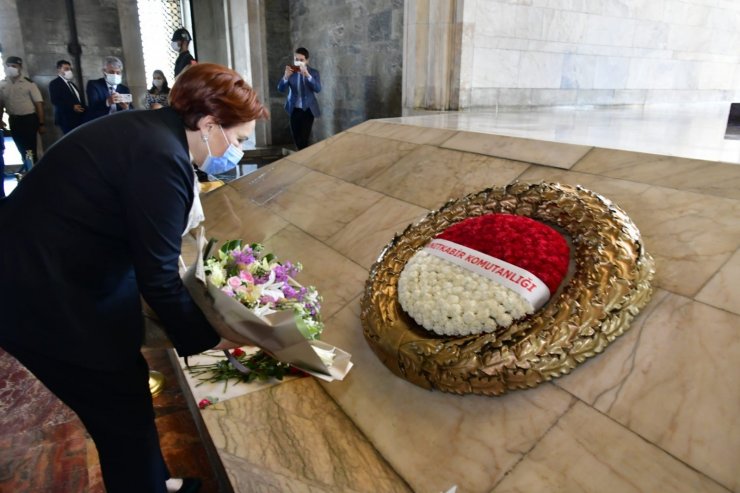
{"x": 482, "y": 274}
{"x": 250, "y": 297}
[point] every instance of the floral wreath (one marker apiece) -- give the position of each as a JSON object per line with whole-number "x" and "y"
{"x": 610, "y": 284}
{"x": 482, "y": 274}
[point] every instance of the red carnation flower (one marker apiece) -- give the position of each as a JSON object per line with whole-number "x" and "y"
{"x": 482, "y": 273}
{"x": 518, "y": 240}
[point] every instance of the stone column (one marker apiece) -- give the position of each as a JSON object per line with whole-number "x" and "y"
{"x": 210, "y": 29}
{"x": 11, "y": 35}
{"x": 435, "y": 65}
{"x": 133, "y": 66}
{"x": 253, "y": 41}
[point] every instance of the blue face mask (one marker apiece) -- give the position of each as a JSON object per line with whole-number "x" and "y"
{"x": 216, "y": 165}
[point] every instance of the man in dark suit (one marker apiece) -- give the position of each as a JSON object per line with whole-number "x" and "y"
{"x": 107, "y": 95}
{"x": 65, "y": 97}
{"x": 302, "y": 82}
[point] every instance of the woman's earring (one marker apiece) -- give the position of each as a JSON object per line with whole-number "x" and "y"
{"x": 204, "y": 137}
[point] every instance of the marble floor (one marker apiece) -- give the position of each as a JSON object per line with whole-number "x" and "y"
{"x": 656, "y": 411}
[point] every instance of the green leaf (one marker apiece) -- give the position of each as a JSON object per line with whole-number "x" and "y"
{"x": 207, "y": 249}
{"x": 302, "y": 327}
{"x": 262, "y": 366}
{"x": 231, "y": 245}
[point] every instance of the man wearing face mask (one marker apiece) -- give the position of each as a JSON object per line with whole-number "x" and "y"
{"x": 65, "y": 97}
{"x": 21, "y": 99}
{"x": 107, "y": 95}
{"x": 181, "y": 43}
{"x": 303, "y": 83}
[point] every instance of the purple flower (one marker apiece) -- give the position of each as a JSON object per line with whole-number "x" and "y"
{"x": 289, "y": 292}
{"x": 311, "y": 309}
{"x": 301, "y": 294}
{"x": 241, "y": 257}
{"x": 281, "y": 273}
{"x": 267, "y": 300}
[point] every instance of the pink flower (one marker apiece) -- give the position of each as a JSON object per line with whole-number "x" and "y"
{"x": 204, "y": 403}
{"x": 234, "y": 282}
{"x": 246, "y": 276}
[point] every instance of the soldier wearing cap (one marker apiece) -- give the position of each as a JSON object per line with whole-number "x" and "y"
{"x": 181, "y": 43}
{"x": 22, "y": 100}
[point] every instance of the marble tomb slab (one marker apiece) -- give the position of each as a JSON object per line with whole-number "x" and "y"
{"x": 691, "y": 235}
{"x": 672, "y": 379}
{"x": 429, "y": 176}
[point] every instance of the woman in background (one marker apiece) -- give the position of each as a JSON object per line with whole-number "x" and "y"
{"x": 157, "y": 97}
{"x": 96, "y": 224}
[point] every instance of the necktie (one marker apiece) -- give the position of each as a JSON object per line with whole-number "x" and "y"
{"x": 72, "y": 88}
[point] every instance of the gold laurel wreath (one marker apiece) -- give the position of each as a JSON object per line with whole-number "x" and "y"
{"x": 609, "y": 285}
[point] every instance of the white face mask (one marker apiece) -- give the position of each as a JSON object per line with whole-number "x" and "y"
{"x": 113, "y": 79}
{"x": 175, "y": 45}
{"x": 11, "y": 71}
{"x": 68, "y": 74}
{"x": 157, "y": 83}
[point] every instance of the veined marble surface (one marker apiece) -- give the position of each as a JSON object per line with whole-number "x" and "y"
{"x": 657, "y": 411}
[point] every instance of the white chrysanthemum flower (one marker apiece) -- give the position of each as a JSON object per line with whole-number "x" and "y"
{"x": 450, "y": 300}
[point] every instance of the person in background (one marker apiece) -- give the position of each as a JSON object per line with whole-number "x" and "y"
{"x": 82, "y": 244}
{"x": 65, "y": 97}
{"x": 157, "y": 96}
{"x": 22, "y": 100}
{"x": 105, "y": 96}
{"x": 303, "y": 83}
{"x": 181, "y": 43}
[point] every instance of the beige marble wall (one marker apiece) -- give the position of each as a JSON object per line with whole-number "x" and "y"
{"x": 626, "y": 52}
{"x": 657, "y": 411}
{"x": 562, "y": 52}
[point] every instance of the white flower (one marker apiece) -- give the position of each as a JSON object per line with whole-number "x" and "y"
{"x": 327, "y": 355}
{"x": 217, "y": 275}
{"x": 450, "y": 300}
